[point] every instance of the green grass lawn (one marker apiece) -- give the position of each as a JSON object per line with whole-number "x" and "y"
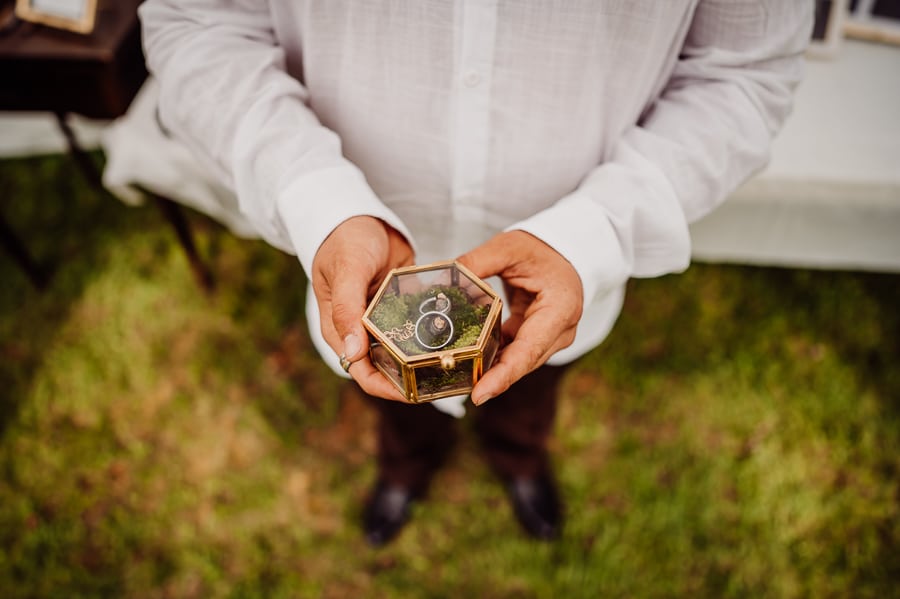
{"x": 738, "y": 435}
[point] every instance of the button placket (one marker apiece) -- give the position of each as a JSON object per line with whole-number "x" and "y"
{"x": 472, "y": 106}
{"x": 471, "y": 78}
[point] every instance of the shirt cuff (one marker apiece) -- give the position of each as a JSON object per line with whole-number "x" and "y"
{"x": 582, "y": 232}
{"x": 313, "y": 205}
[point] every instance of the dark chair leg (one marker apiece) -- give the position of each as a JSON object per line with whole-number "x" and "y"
{"x": 38, "y": 276}
{"x": 82, "y": 159}
{"x": 171, "y": 211}
{"x": 174, "y": 215}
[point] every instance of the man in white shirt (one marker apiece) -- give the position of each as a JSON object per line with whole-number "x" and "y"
{"x": 561, "y": 146}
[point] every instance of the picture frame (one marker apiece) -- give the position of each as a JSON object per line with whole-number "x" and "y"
{"x": 72, "y": 15}
{"x": 874, "y": 21}
{"x": 828, "y": 28}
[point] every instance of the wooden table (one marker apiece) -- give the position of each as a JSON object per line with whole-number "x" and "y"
{"x": 96, "y": 76}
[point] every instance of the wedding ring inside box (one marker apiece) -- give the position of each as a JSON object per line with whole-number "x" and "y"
{"x": 435, "y": 329}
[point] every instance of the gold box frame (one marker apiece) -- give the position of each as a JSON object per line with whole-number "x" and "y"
{"x": 409, "y": 365}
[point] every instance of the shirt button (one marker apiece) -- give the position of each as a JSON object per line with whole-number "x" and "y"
{"x": 471, "y": 79}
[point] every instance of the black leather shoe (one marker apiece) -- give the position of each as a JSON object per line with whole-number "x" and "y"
{"x": 386, "y": 512}
{"x": 536, "y": 504}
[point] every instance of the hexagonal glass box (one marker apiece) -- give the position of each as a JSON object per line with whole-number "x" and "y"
{"x": 434, "y": 329}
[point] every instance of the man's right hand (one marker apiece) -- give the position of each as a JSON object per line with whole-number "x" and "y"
{"x": 348, "y": 268}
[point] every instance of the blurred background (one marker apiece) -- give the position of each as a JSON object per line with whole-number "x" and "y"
{"x": 167, "y": 429}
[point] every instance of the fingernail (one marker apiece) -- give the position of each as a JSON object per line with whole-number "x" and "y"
{"x": 351, "y": 345}
{"x": 482, "y": 399}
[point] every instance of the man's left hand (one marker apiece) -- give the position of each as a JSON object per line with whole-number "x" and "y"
{"x": 545, "y": 298}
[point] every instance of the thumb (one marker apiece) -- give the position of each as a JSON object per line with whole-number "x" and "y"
{"x": 488, "y": 259}
{"x": 348, "y": 303}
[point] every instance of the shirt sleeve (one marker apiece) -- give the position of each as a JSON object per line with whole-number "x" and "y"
{"x": 225, "y": 93}
{"x": 710, "y": 128}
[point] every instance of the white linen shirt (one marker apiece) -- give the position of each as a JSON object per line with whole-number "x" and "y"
{"x": 602, "y": 127}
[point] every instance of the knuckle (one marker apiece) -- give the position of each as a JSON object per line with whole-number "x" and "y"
{"x": 567, "y": 338}
{"x": 341, "y": 313}
{"x": 533, "y": 353}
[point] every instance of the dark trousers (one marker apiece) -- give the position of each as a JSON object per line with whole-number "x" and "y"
{"x": 513, "y": 428}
